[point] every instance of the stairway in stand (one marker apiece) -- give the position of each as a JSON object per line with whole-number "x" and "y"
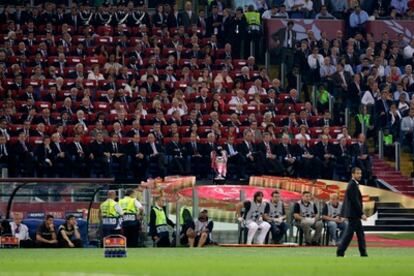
{"x": 392, "y": 217}
{"x": 384, "y": 170}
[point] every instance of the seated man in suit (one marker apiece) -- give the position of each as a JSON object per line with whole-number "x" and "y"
{"x": 306, "y": 215}
{"x": 331, "y": 214}
{"x": 271, "y": 161}
{"x": 343, "y": 155}
{"x": 135, "y": 150}
{"x": 175, "y": 152}
{"x": 362, "y": 158}
{"x": 59, "y": 156}
{"x": 194, "y": 159}
{"x": 97, "y": 156}
{"x": 155, "y": 153}
{"x": 43, "y": 155}
{"x": 250, "y": 155}
{"x": 207, "y": 151}
{"x": 309, "y": 165}
{"x": 235, "y": 158}
{"x": 4, "y": 153}
{"x": 325, "y": 150}
{"x": 78, "y": 154}
{"x": 287, "y": 155}
{"x": 114, "y": 151}
{"x": 23, "y": 157}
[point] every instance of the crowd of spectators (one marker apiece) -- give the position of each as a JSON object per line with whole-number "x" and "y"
{"x": 117, "y": 89}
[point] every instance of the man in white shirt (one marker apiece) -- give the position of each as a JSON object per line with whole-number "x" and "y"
{"x": 238, "y": 99}
{"x": 270, "y": 13}
{"x": 257, "y": 88}
{"x": 407, "y": 127}
{"x": 20, "y": 231}
{"x": 315, "y": 59}
{"x": 409, "y": 50}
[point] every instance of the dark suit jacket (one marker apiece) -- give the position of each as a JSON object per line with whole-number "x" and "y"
{"x": 186, "y": 21}
{"x": 319, "y": 150}
{"x": 149, "y": 151}
{"x": 281, "y": 36}
{"x": 352, "y": 205}
{"x": 175, "y": 149}
{"x": 321, "y": 122}
{"x": 243, "y": 149}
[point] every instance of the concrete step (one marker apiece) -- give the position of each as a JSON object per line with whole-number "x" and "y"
{"x": 394, "y": 221}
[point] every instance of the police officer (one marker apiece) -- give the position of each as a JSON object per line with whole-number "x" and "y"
{"x": 276, "y": 216}
{"x": 331, "y": 214}
{"x": 159, "y": 222}
{"x": 110, "y": 212}
{"x": 132, "y": 209}
{"x": 253, "y": 28}
{"x": 306, "y": 214}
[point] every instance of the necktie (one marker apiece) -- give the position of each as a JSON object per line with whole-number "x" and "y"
{"x": 231, "y": 150}
{"x": 58, "y": 147}
{"x": 79, "y": 147}
{"x": 136, "y": 147}
{"x": 154, "y": 148}
{"x": 115, "y": 147}
{"x": 194, "y": 147}
{"x": 268, "y": 150}
{"x": 24, "y": 146}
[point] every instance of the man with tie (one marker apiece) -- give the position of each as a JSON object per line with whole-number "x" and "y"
{"x": 23, "y": 157}
{"x": 309, "y": 165}
{"x": 175, "y": 153}
{"x": 250, "y": 155}
{"x": 283, "y": 43}
{"x": 194, "y": 159}
{"x": 59, "y": 156}
{"x": 362, "y": 158}
{"x": 352, "y": 209}
{"x": 326, "y": 120}
{"x": 4, "y": 153}
{"x": 268, "y": 150}
{"x": 78, "y": 154}
{"x": 115, "y": 153}
{"x": 287, "y": 155}
{"x": 382, "y": 108}
{"x": 234, "y": 158}
{"x": 206, "y": 151}
{"x": 44, "y": 158}
{"x": 98, "y": 160}
{"x": 135, "y": 150}
{"x": 155, "y": 153}
{"x": 324, "y": 150}
{"x": 343, "y": 156}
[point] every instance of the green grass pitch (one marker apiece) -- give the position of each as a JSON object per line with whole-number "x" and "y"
{"x": 208, "y": 261}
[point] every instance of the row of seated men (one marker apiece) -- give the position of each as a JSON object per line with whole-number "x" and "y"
{"x": 48, "y": 234}
{"x": 54, "y": 158}
{"x": 259, "y": 218}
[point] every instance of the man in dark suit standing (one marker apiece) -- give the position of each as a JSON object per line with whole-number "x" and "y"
{"x": 353, "y": 211}
{"x": 284, "y": 41}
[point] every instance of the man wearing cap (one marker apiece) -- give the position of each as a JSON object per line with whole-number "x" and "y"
{"x": 284, "y": 41}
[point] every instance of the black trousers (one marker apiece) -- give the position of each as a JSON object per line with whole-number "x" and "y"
{"x": 354, "y": 225}
{"x": 77, "y": 243}
{"x": 130, "y": 229}
{"x": 164, "y": 240}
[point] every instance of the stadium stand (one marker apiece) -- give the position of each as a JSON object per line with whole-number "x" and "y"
{"x": 83, "y": 86}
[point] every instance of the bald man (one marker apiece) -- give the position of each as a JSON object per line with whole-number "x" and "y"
{"x": 20, "y": 231}
{"x": 331, "y": 214}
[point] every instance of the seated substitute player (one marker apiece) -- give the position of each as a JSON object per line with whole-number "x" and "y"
{"x": 276, "y": 216}
{"x": 68, "y": 234}
{"x": 307, "y": 218}
{"x": 253, "y": 217}
{"x": 331, "y": 214}
{"x": 46, "y": 234}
